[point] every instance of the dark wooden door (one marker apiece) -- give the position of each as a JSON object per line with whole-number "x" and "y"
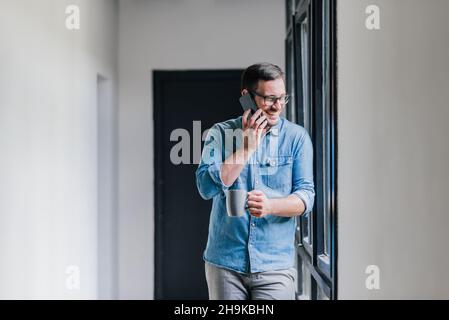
{"x": 181, "y": 215}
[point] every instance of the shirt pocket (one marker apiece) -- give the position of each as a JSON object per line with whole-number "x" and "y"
{"x": 276, "y": 172}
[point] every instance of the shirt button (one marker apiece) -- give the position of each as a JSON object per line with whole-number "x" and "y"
{"x": 253, "y": 224}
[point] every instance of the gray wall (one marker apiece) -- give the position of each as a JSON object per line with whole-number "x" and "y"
{"x": 393, "y": 93}
{"x": 174, "y": 35}
{"x": 49, "y": 147}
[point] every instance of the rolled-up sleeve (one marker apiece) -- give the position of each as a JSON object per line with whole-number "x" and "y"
{"x": 208, "y": 173}
{"x": 303, "y": 186}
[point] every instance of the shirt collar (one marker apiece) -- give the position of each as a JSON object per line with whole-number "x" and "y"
{"x": 274, "y": 130}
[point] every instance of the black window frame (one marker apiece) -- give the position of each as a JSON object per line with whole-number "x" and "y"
{"x": 321, "y": 264}
{"x": 304, "y": 116}
{"x": 289, "y": 62}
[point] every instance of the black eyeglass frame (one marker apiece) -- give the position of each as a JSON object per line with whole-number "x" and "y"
{"x": 286, "y": 97}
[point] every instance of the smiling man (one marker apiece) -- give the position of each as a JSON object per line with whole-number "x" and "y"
{"x": 252, "y": 256}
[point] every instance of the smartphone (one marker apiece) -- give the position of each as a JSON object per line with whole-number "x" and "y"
{"x": 248, "y": 102}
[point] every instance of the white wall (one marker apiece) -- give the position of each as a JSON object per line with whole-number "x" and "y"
{"x": 48, "y": 143}
{"x": 393, "y": 93}
{"x": 194, "y": 34}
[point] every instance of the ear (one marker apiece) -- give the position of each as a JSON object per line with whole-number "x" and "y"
{"x": 244, "y": 91}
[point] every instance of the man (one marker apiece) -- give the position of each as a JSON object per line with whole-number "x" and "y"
{"x": 252, "y": 257}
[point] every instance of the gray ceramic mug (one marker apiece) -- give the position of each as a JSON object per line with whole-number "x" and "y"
{"x": 236, "y": 202}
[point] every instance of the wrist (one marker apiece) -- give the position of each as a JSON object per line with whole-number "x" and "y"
{"x": 248, "y": 151}
{"x": 248, "y": 147}
{"x": 271, "y": 206}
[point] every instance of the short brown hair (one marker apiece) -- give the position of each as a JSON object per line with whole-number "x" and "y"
{"x": 260, "y": 71}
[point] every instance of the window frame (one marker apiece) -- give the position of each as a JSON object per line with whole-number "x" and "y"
{"x": 319, "y": 256}
{"x": 289, "y": 71}
{"x": 304, "y": 115}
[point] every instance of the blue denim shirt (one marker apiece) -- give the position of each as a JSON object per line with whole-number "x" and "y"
{"x": 282, "y": 165}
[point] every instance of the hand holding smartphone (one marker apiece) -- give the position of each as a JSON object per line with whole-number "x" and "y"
{"x": 254, "y": 139}
{"x": 247, "y": 102}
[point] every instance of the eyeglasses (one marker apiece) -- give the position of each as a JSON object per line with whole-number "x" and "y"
{"x": 271, "y": 100}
